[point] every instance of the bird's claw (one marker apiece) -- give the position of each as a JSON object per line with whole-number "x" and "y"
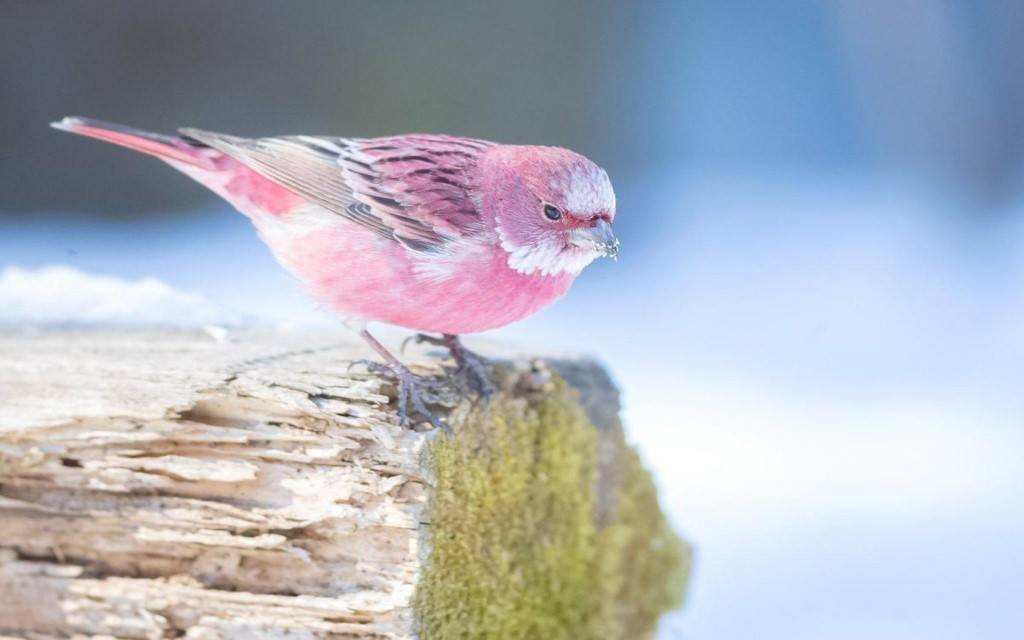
{"x": 471, "y": 365}
{"x": 412, "y": 390}
{"x": 467, "y": 363}
{"x": 421, "y": 338}
{"x": 409, "y": 392}
{"x": 372, "y": 366}
{"x": 386, "y": 370}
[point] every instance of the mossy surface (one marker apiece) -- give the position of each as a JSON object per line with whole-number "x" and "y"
{"x": 543, "y": 527}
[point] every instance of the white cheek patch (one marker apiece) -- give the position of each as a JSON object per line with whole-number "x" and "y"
{"x": 587, "y": 189}
{"x": 548, "y": 257}
{"x": 539, "y": 260}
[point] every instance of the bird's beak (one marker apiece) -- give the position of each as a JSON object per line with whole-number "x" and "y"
{"x": 598, "y": 237}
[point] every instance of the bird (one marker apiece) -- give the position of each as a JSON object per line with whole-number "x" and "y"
{"x": 436, "y": 233}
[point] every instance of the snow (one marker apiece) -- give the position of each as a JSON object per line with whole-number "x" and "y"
{"x": 60, "y": 294}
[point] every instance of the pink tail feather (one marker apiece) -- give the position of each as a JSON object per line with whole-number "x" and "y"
{"x": 154, "y": 144}
{"x": 251, "y": 193}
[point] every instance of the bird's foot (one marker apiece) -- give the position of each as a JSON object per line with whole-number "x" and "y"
{"x": 413, "y": 392}
{"x": 468, "y": 363}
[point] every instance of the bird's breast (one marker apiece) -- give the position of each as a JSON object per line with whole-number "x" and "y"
{"x": 486, "y": 293}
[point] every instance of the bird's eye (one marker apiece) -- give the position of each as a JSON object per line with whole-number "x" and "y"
{"x": 552, "y": 213}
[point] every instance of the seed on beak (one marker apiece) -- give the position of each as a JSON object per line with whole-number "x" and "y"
{"x": 598, "y": 237}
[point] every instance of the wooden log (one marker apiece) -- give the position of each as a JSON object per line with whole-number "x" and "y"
{"x": 251, "y": 484}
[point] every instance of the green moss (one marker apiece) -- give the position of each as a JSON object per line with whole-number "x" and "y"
{"x": 523, "y": 545}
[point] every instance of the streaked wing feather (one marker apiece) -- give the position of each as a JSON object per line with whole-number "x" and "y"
{"x": 414, "y": 189}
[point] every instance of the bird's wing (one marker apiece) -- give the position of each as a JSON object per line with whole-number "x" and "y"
{"x": 413, "y": 188}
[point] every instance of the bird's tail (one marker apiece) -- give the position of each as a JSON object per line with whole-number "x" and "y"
{"x": 171, "y": 148}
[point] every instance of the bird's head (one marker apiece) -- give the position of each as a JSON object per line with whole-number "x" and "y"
{"x": 552, "y": 208}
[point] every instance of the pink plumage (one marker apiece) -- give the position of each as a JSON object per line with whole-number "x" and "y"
{"x": 431, "y": 232}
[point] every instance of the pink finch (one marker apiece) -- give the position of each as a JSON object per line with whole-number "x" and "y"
{"x": 431, "y": 232}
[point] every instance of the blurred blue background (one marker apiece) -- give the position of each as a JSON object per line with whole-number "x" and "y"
{"x": 817, "y": 319}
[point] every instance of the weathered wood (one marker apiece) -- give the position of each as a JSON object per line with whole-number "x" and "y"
{"x": 159, "y": 483}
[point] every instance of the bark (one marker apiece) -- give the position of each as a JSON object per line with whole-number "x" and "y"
{"x": 197, "y": 484}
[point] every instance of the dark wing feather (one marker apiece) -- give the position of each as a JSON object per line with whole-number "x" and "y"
{"x": 414, "y": 188}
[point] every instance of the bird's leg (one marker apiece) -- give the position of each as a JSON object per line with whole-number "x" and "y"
{"x": 408, "y": 385}
{"x": 468, "y": 362}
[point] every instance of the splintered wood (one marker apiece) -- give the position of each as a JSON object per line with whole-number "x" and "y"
{"x": 160, "y": 484}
